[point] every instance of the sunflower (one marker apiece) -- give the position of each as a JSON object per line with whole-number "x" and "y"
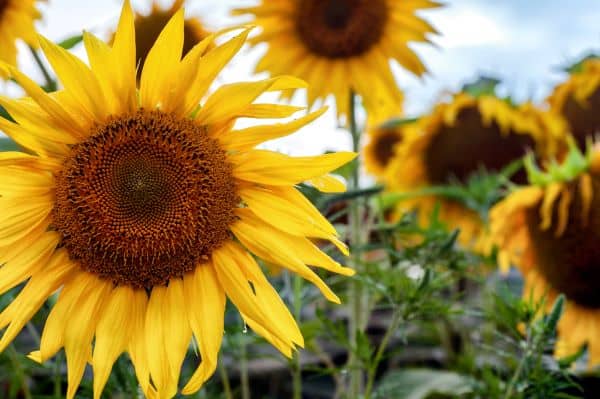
{"x": 145, "y": 208}
{"x": 148, "y": 27}
{"x": 336, "y": 44}
{"x": 460, "y": 138}
{"x": 549, "y": 230}
{"x": 16, "y": 22}
{"x": 578, "y": 100}
{"x": 381, "y": 144}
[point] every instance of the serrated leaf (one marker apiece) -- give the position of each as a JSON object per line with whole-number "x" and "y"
{"x": 421, "y": 384}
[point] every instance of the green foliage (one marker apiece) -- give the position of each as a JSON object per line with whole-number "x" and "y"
{"x": 422, "y": 384}
{"x": 483, "y": 86}
{"x": 574, "y": 164}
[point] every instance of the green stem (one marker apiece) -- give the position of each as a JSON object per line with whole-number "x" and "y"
{"x": 50, "y": 82}
{"x": 244, "y": 378}
{"x": 225, "y": 381}
{"x": 396, "y": 318}
{"x": 58, "y": 375}
{"x": 297, "y": 367}
{"x": 355, "y": 294}
{"x": 18, "y": 370}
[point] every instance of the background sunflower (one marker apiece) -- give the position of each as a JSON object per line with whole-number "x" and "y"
{"x": 578, "y": 100}
{"x": 459, "y": 139}
{"x": 334, "y": 44}
{"x": 549, "y": 230}
{"x": 17, "y": 19}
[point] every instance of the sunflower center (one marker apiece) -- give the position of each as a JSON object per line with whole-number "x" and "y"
{"x": 584, "y": 120}
{"x": 3, "y": 6}
{"x": 341, "y": 28}
{"x": 458, "y": 151}
{"x": 145, "y": 198}
{"x": 571, "y": 263}
{"x": 384, "y": 146}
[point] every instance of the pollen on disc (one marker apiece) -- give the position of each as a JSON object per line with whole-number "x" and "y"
{"x": 145, "y": 198}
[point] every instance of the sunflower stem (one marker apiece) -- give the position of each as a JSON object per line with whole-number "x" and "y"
{"x": 18, "y": 371}
{"x": 225, "y": 381}
{"x": 355, "y": 292}
{"x": 297, "y": 367}
{"x": 371, "y": 373}
{"x": 244, "y": 378}
{"x": 50, "y": 85}
{"x": 58, "y": 376}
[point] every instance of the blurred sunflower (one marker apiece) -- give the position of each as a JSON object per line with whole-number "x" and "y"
{"x": 578, "y": 100}
{"x": 381, "y": 144}
{"x": 458, "y": 139}
{"x": 335, "y": 44}
{"x": 17, "y": 19}
{"x": 549, "y": 230}
{"x": 144, "y": 208}
{"x": 149, "y": 26}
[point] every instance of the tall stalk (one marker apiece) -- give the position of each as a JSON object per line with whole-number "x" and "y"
{"x": 244, "y": 378}
{"x": 355, "y": 301}
{"x": 297, "y": 367}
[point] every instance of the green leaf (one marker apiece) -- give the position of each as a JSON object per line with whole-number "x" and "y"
{"x": 483, "y": 86}
{"x": 6, "y": 144}
{"x": 398, "y": 122}
{"x": 422, "y": 384}
{"x": 578, "y": 65}
{"x": 71, "y": 42}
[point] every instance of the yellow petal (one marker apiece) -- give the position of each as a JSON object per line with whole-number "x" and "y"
{"x": 34, "y": 294}
{"x": 267, "y": 167}
{"x": 21, "y": 182}
{"x": 209, "y": 67}
{"x": 81, "y": 325}
{"x": 161, "y": 64}
{"x": 245, "y": 139}
{"x": 236, "y": 269}
{"x": 328, "y": 184}
{"x": 168, "y": 335}
{"x": 18, "y": 218}
{"x": 113, "y": 332}
{"x": 272, "y": 246}
{"x": 233, "y": 99}
{"x": 78, "y": 80}
{"x": 18, "y": 268}
{"x": 205, "y": 302}
{"x": 125, "y": 58}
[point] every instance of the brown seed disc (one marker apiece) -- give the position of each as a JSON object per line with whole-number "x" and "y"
{"x": 3, "y": 6}
{"x": 571, "y": 263}
{"x": 458, "y": 151}
{"x": 384, "y": 146}
{"x": 149, "y": 27}
{"x": 341, "y": 28}
{"x": 144, "y": 199}
{"x": 584, "y": 120}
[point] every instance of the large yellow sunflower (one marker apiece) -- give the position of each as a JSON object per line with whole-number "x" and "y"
{"x": 339, "y": 46}
{"x": 145, "y": 208}
{"x": 16, "y": 22}
{"x": 578, "y": 100}
{"x": 550, "y": 231}
{"x": 459, "y": 138}
{"x": 380, "y": 148}
{"x": 149, "y": 26}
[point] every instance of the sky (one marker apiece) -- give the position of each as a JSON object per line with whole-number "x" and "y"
{"x": 523, "y": 43}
